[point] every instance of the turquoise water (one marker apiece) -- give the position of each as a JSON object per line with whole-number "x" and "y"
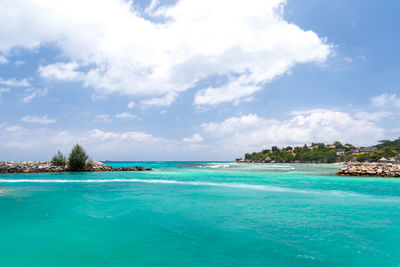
{"x": 200, "y": 214}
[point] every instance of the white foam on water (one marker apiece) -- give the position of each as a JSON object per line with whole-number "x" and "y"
{"x": 267, "y": 188}
{"x": 248, "y": 166}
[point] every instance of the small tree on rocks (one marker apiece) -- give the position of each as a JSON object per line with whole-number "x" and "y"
{"x": 77, "y": 158}
{"x": 58, "y": 159}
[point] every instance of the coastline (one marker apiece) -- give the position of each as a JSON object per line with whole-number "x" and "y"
{"x": 47, "y": 167}
{"x": 366, "y": 169}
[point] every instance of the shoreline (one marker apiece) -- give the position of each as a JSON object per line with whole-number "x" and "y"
{"x": 294, "y": 162}
{"x": 361, "y": 169}
{"x": 47, "y": 167}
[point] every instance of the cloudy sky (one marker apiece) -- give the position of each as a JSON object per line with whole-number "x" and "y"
{"x": 195, "y": 80}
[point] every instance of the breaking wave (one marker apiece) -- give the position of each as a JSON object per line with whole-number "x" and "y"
{"x": 248, "y": 166}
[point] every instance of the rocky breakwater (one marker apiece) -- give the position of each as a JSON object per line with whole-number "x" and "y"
{"x": 45, "y": 166}
{"x": 371, "y": 169}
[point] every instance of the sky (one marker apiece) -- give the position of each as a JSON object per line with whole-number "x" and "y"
{"x": 195, "y": 80}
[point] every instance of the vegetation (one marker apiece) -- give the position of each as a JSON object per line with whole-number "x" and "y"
{"x": 336, "y": 152}
{"x": 59, "y": 159}
{"x": 77, "y": 158}
{"x": 386, "y": 149}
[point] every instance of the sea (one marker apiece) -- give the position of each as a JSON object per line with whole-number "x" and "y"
{"x": 200, "y": 214}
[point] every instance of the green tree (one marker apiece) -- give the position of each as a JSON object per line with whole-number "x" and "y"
{"x": 58, "y": 159}
{"x": 339, "y": 145}
{"x": 362, "y": 157}
{"x": 77, "y": 158}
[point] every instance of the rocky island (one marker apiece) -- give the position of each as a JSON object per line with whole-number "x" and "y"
{"x": 46, "y": 166}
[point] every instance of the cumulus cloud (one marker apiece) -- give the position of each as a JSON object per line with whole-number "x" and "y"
{"x": 385, "y": 100}
{"x": 166, "y": 51}
{"x": 225, "y": 139}
{"x": 251, "y": 132}
{"x": 131, "y": 104}
{"x": 373, "y": 116}
{"x": 125, "y": 115}
{"x": 14, "y": 82}
{"x": 167, "y": 100}
{"x": 19, "y": 143}
{"x": 196, "y": 138}
{"x": 61, "y": 71}
{"x": 233, "y": 91}
{"x": 36, "y": 119}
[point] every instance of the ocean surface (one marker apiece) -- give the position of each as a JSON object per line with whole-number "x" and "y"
{"x": 200, "y": 214}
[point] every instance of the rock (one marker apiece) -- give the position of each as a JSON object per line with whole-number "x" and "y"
{"x": 370, "y": 169}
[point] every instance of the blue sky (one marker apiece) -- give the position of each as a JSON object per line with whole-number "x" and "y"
{"x": 195, "y": 80}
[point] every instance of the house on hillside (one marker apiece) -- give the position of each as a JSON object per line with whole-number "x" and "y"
{"x": 340, "y": 152}
{"x": 364, "y": 149}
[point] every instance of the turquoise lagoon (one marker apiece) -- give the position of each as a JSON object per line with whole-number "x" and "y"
{"x": 200, "y": 214}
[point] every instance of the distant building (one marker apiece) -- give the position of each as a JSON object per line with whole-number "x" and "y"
{"x": 331, "y": 146}
{"x": 365, "y": 149}
{"x": 340, "y": 152}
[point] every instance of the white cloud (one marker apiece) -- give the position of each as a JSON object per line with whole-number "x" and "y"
{"x": 41, "y": 120}
{"x": 102, "y": 118}
{"x": 125, "y": 115}
{"x": 122, "y": 52}
{"x": 233, "y": 91}
{"x": 61, "y": 71}
{"x": 385, "y": 100}
{"x": 373, "y": 116}
{"x": 14, "y": 82}
{"x": 131, "y": 104}
{"x": 160, "y": 102}
{"x": 251, "y": 132}
{"x": 28, "y": 98}
{"x": 31, "y": 93}
{"x": 3, "y": 60}
{"x": 226, "y": 139}
{"x": 125, "y": 136}
{"x": 196, "y": 138}
{"x": 19, "y": 143}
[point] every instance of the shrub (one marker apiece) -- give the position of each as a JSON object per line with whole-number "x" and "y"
{"x": 58, "y": 159}
{"x": 77, "y": 158}
{"x": 362, "y": 157}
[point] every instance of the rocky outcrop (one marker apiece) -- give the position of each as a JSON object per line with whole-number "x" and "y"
{"x": 267, "y": 160}
{"x": 45, "y": 166}
{"x": 371, "y": 169}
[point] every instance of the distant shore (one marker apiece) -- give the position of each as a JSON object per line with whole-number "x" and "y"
{"x": 47, "y": 167}
{"x": 377, "y": 169}
{"x": 240, "y": 160}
